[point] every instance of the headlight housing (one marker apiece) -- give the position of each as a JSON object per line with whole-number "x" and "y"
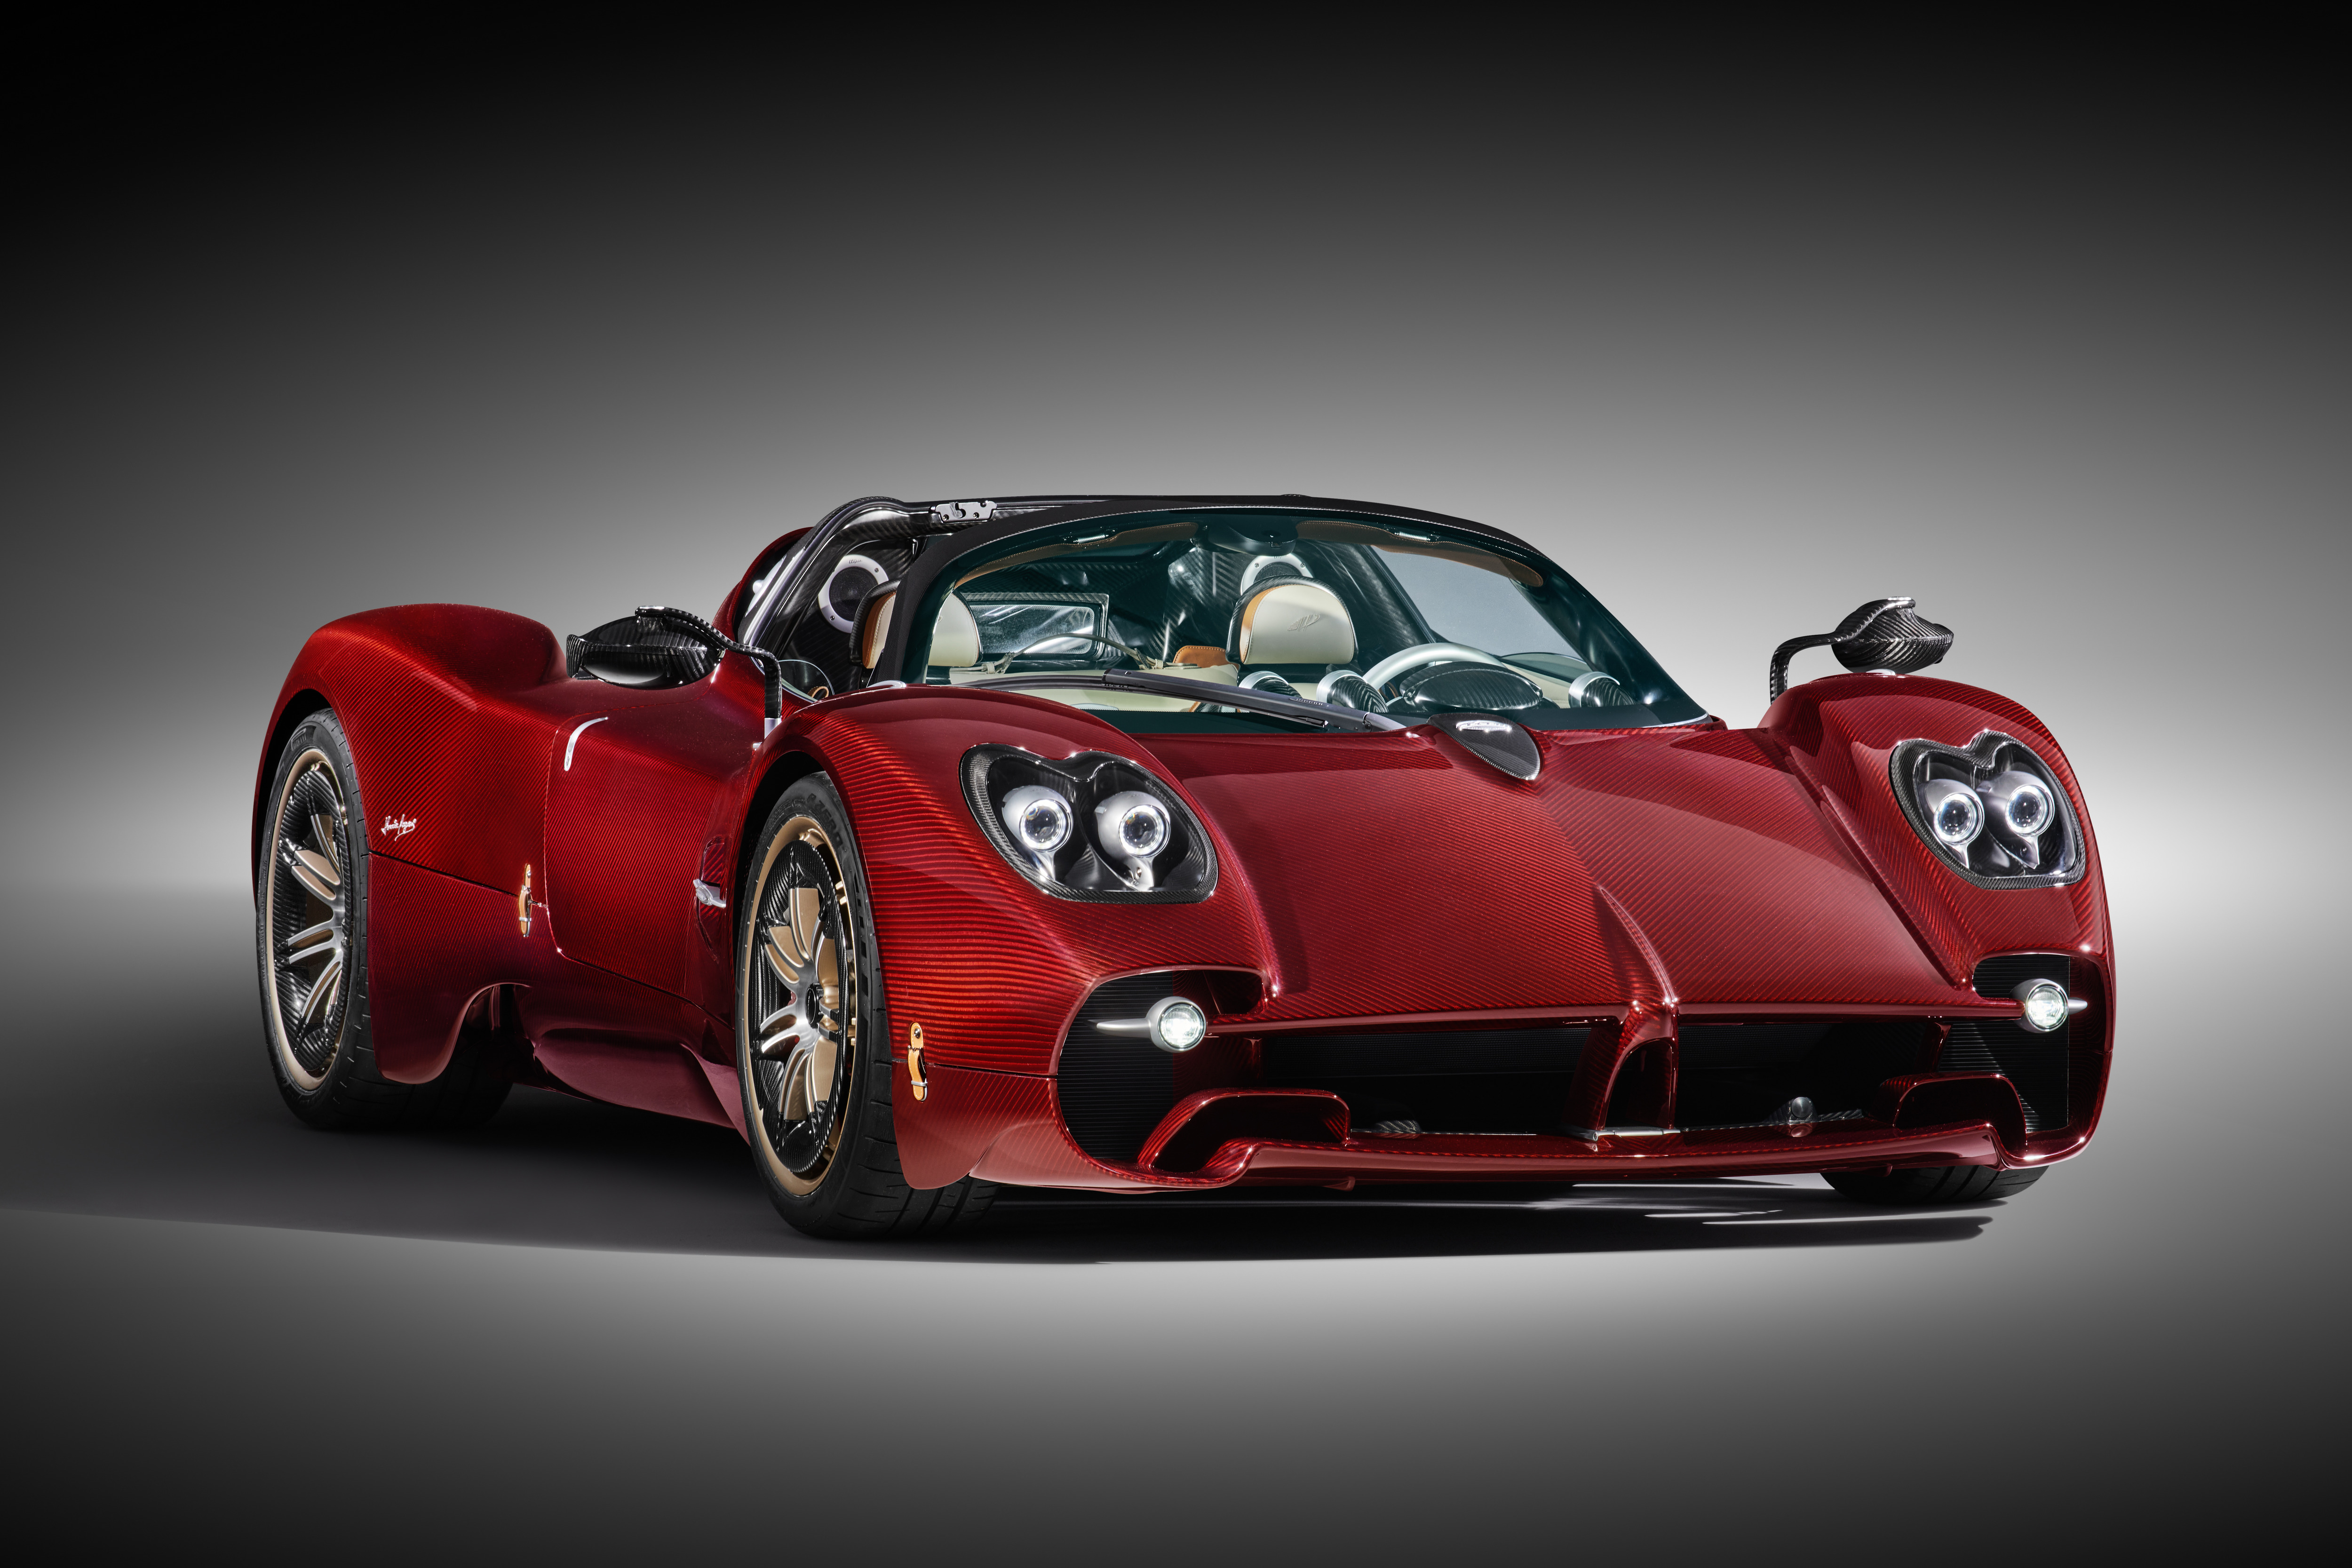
{"x": 1992, "y": 811}
{"x": 1123, "y": 835}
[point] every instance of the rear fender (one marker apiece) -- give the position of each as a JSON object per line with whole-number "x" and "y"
{"x": 451, "y": 779}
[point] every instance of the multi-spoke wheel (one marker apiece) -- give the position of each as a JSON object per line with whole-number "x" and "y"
{"x": 815, "y": 1070}
{"x": 307, "y": 918}
{"x": 805, "y": 1000}
{"x": 310, "y": 921}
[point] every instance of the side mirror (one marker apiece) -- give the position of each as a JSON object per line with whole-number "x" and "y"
{"x": 637, "y": 651}
{"x": 1884, "y": 634}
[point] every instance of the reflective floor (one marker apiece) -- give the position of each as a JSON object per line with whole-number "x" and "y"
{"x": 581, "y": 1329}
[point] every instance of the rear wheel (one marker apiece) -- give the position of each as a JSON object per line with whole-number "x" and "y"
{"x": 310, "y": 936}
{"x": 809, "y": 1041}
{"x": 1935, "y": 1184}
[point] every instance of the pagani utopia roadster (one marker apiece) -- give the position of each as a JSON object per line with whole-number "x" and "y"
{"x": 1151, "y": 843}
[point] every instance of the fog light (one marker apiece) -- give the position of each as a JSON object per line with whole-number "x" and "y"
{"x": 1176, "y": 1025}
{"x": 2043, "y": 1005}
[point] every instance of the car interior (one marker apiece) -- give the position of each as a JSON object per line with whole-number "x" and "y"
{"x": 1320, "y": 609}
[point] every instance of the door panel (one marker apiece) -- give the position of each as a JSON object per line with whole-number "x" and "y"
{"x": 629, "y": 797}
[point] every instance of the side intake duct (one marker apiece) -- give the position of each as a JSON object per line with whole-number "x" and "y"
{"x": 2036, "y": 1065}
{"x": 1114, "y": 1088}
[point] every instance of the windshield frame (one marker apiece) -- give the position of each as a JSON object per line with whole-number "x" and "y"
{"x": 946, "y": 558}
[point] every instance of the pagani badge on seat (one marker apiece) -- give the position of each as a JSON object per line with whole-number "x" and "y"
{"x": 1140, "y": 843}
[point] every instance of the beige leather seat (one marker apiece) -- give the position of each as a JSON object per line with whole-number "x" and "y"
{"x": 955, "y": 636}
{"x": 1293, "y": 622}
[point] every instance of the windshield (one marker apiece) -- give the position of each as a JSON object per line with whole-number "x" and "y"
{"x": 1402, "y": 620}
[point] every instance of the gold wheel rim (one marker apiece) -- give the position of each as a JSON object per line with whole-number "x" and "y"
{"x": 796, "y": 1006}
{"x": 306, "y": 921}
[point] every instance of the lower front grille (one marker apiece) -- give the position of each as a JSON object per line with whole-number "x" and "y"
{"x": 1115, "y": 1088}
{"x": 2036, "y": 1065}
{"x": 1501, "y": 1080}
{"x": 1740, "y": 1075}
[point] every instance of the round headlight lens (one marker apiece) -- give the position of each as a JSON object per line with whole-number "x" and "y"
{"x": 2044, "y": 1004}
{"x": 1037, "y": 817}
{"x": 1954, "y": 813}
{"x": 2024, "y": 803}
{"x": 1177, "y": 1024}
{"x": 1131, "y": 825}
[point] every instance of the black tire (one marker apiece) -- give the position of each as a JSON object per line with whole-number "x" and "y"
{"x": 833, "y": 1170}
{"x": 320, "y": 1051}
{"x": 1932, "y": 1184}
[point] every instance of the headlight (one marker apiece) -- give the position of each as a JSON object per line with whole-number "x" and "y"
{"x": 1954, "y": 815}
{"x": 1038, "y": 818}
{"x": 1952, "y": 794}
{"x": 2020, "y": 805}
{"x": 1132, "y": 828}
{"x": 1146, "y": 848}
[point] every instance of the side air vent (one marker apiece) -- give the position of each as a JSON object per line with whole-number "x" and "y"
{"x": 2036, "y": 1065}
{"x": 1115, "y": 1088}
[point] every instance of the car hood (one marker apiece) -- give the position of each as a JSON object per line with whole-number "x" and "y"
{"x": 1398, "y": 874}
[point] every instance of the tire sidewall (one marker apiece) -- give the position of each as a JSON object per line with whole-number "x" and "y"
{"x": 867, "y": 1112}
{"x": 321, "y": 732}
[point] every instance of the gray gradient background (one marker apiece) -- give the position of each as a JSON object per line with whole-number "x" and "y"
{"x": 1746, "y": 330}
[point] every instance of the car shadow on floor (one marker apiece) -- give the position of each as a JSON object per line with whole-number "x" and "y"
{"x": 552, "y": 1171}
{"x": 184, "y": 1123}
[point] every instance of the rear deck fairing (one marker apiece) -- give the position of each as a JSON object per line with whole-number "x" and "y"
{"x": 1647, "y": 886}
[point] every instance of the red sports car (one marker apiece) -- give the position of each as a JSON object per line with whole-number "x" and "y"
{"x": 1140, "y": 843}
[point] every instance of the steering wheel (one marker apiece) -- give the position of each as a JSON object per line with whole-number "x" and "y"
{"x": 1413, "y": 658}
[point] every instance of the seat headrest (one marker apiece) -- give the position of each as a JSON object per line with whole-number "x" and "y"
{"x": 1296, "y": 622}
{"x": 955, "y": 636}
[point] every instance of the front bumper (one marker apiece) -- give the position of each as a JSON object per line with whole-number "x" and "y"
{"x": 1641, "y": 1092}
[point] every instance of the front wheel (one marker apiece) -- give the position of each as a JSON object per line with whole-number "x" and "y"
{"x": 810, "y": 1043}
{"x": 1933, "y": 1185}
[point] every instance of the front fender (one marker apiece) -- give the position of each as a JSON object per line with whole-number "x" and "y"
{"x": 989, "y": 966}
{"x": 1838, "y": 734}
{"x": 992, "y": 967}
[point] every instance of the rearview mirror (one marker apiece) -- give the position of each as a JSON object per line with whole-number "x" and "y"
{"x": 1884, "y": 635}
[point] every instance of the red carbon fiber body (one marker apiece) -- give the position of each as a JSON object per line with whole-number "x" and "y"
{"x": 1367, "y": 883}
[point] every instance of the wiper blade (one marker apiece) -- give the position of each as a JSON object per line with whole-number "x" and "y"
{"x": 1301, "y": 709}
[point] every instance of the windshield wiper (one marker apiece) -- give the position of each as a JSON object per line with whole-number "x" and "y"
{"x": 1300, "y": 709}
